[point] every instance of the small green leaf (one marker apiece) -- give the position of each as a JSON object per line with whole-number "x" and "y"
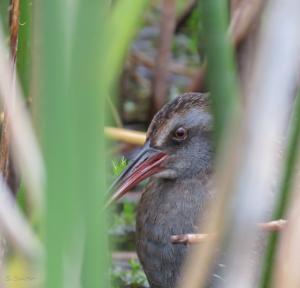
{"x": 119, "y": 166}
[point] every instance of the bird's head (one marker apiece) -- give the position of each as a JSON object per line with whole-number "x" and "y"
{"x": 178, "y": 145}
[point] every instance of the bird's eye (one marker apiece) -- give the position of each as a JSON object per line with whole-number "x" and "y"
{"x": 180, "y": 134}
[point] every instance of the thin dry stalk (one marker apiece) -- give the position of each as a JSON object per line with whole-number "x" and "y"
{"x": 161, "y": 74}
{"x": 6, "y": 165}
{"x": 14, "y": 27}
{"x": 125, "y": 135}
{"x": 4, "y": 148}
{"x": 25, "y": 146}
{"x": 272, "y": 226}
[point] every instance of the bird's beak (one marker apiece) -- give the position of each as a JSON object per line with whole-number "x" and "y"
{"x": 144, "y": 165}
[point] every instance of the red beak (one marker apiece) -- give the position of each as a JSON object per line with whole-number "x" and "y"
{"x": 145, "y": 164}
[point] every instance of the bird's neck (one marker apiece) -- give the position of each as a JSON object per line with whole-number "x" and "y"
{"x": 172, "y": 206}
{"x": 168, "y": 207}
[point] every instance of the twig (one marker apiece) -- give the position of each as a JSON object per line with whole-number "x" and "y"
{"x": 190, "y": 238}
{"x": 125, "y": 135}
{"x": 272, "y": 226}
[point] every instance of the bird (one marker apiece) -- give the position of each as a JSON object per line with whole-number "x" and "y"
{"x": 178, "y": 157}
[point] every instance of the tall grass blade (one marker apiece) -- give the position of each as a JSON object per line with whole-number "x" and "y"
{"x": 292, "y": 156}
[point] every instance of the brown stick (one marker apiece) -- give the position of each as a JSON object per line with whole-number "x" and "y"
{"x": 161, "y": 74}
{"x": 6, "y": 165}
{"x": 272, "y": 226}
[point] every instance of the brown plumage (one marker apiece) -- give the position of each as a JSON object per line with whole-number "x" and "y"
{"x": 178, "y": 106}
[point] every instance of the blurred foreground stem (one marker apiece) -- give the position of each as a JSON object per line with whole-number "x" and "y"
{"x": 222, "y": 84}
{"x": 285, "y": 189}
{"x": 221, "y": 70}
{"x": 72, "y": 112}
